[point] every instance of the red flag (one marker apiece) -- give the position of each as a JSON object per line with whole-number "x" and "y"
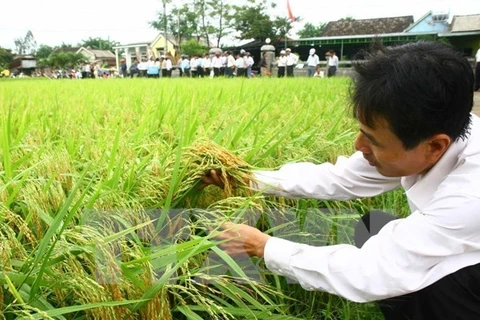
{"x": 290, "y": 14}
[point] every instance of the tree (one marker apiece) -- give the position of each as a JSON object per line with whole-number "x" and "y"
{"x": 192, "y": 47}
{"x": 98, "y": 43}
{"x": 252, "y": 21}
{"x": 310, "y": 30}
{"x": 44, "y": 51}
{"x": 62, "y": 60}
{"x": 282, "y": 26}
{"x": 195, "y": 19}
{"x": 26, "y": 45}
{"x": 220, "y": 12}
{"x": 348, "y": 18}
{"x": 6, "y": 57}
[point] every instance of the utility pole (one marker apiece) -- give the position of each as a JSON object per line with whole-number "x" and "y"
{"x": 165, "y": 47}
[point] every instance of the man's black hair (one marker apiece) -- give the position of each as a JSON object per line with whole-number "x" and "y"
{"x": 420, "y": 89}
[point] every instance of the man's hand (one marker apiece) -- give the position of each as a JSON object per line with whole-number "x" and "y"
{"x": 242, "y": 239}
{"x": 213, "y": 177}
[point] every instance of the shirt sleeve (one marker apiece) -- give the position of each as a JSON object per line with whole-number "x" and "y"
{"x": 349, "y": 178}
{"x": 405, "y": 256}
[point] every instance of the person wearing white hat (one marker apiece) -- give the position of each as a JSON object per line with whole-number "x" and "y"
{"x": 312, "y": 62}
{"x": 281, "y": 64}
{"x": 292, "y": 60}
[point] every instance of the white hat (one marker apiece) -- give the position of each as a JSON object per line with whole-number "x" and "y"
{"x": 312, "y": 51}
{"x": 288, "y": 49}
{"x": 282, "y": 52}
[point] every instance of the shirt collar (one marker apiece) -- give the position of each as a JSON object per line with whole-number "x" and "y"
{"x": 420, "y": 189}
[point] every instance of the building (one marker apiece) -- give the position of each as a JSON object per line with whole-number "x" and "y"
{"x": 349, "y": 36}
{"x": 465, "y": 34}
{"x": 155, "y": 48}
{"x": 24, "y": 63}
{"x": 101, "y": 57}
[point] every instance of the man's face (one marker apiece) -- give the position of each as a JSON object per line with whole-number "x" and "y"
{"x": 386, "y": 152}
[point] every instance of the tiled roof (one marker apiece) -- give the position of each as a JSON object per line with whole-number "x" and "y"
{"x": 367, "y": 26}
{"x": 466, "y": 23}
{"x": 99, "y": 54}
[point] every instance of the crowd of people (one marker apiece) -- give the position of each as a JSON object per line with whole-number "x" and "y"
{"x": 225, "y": 64}
{"x": 229, "y": 65}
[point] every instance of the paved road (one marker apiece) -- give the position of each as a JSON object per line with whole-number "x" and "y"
{"x": 476, "y": 106}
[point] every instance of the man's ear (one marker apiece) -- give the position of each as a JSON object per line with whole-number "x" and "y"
{"x": 437, "y": 145}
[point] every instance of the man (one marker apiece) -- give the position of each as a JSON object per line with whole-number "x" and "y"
{"x": 282, "y": 63}
{"x": 291, "y": 62}
{"x": 477, "y": 70}
{"x": 230, "y": 68}
{"x": 312, "y": 63}
{"x": 217, "y": 64}
{"x": 413, "y": 106}
{"x": 332, "y": 63}
{"x": 249, "y": 62}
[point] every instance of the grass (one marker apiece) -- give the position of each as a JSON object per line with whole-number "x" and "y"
{"x": 102, "y": 217}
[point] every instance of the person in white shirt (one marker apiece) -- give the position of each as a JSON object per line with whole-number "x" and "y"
{"x": 312, "y": 63}
{"x": 282, "y": 64}
{"x": 249, "y": 61}
{"x": 332, "y": 63}
{"x": 193, "y": 66}
{"x": 477, "y": 71}
{"x": 217, "y": 64}
{"x": 292, "y": 60}
{"x": 240, "y": 65}
{"x": 230, "y": 65}
{"x": 207, "y": 65}
{"x": 416, "y": 131}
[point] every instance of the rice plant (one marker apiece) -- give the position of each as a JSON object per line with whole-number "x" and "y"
{"x": 102, "y": 215}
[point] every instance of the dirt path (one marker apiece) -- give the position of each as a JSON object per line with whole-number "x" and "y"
{"x": 476, "y": 106}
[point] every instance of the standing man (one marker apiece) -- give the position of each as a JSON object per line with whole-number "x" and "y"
{"x": 282, "y": 64}
{"x": 230, "y": 65}
{"x": 477, "y": 71}
{"x": 332, "y": 63}
{"x": 217, "y": 64}
{"x": 312, "y": 62}
{"x": 416, "y": 131}
{"x": 292, "y": 60}
{"x": 249, "y": 64}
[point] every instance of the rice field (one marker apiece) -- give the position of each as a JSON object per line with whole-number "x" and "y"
{"x": 102, "y": 213}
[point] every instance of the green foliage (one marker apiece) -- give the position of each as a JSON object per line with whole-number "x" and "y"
{"x": 44, "y": 51}
{"x": 195, "y": 20}
{"x": 63, "y": 60}
{"x": 26, "y": 45}
{"x": 98, "y": 43}
{"x": 192, "y": 47}
{"x": 83, "y": 162}
{"x": 252, "y": 21}
{"x": 6, "y": 57}
{"x": 310, "y": 30}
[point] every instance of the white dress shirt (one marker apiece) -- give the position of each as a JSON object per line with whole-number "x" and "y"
{"x": 292, "y": 59}
{"x": 439, "y": 237}
{"x": 333, "y": 61}
{"x": 282, "y": 61}
{"x": 477, "y": 56}
{"x": 313, "y": 60}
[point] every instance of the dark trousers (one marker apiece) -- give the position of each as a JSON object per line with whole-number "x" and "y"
{"x": 281, "y": 72}
{"x": 289, "y": 71}
{"x": 477, "y": 76}
{"x": 456, "y": 296}
{"x": 240, "y": 72}
{"x": 332, "y": 71}
{"x": 216, "y": 72}
{"x": 200, "y": 72}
